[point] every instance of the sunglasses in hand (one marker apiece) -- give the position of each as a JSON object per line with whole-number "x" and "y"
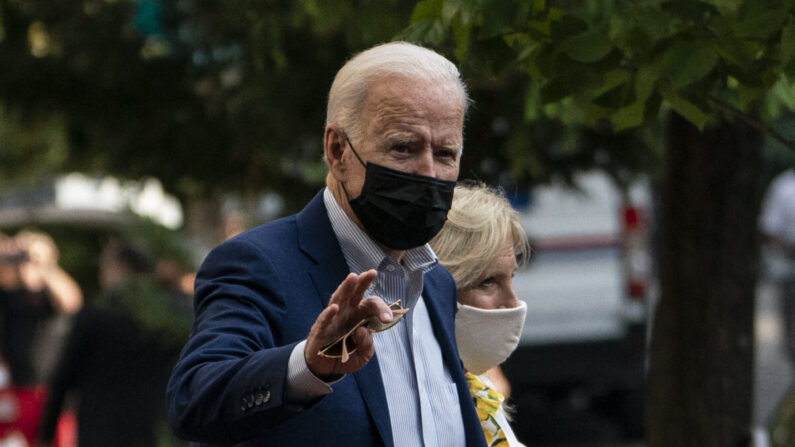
{"x": 344, "y": 346}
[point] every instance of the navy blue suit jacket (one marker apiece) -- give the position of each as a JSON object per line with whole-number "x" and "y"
{"x": 257, "y": 296}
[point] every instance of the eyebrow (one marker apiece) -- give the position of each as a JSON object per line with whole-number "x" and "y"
{"x": 404, "y": 138}
{"x": 457, "y": 148}
{"x": 410, "y": 138}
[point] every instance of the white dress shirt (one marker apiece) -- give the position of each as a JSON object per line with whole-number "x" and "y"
{"x": 423, "y": 403}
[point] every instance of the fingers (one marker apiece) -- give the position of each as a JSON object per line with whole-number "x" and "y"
{"x": 364, "y": 342}
{"x": 375, "y": 306}
{"x": 325, "y": 319}
{"x": 352, "y": 288}
{"x": 365, "y": 279}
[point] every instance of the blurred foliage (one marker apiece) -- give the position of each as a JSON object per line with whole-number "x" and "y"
{"x": 209, "y": 96}
{"x": 30, "y": 152}
{"x": 593, "y": 78}
{"x": 616, "y": 64}
{"x": 216, "y": 96}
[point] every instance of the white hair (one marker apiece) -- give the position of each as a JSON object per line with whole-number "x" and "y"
{"x": 349, "y": 89}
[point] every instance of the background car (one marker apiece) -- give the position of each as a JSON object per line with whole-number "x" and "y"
{"x": 580, "y": 365}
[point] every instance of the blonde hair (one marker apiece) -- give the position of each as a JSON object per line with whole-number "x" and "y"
{"x": 473, "y": 238}
{"x": 352, "y": 82}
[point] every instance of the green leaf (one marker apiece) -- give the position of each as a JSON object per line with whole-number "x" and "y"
{"x": 489, "y": 56}
{"x": 589, "y": 46}
{"x": 630, "y": 39}
{"x": 689, "y": 110}
{"x": 498, "y": 15}
{"x": 565, "y": 27}
{"x": 555, "y": 90}
{"x": 645, "y": 79}
{"x": 538, "y": 6}
{"x": 629, "y": 116}
{"x": 654, "y": 21}
{"x": 726, "y": 7}
{"x": 544, "y": 26}
{"x": 755, "y": 22}
{"x": 449, "y": 10}
{"x": 787, "y": 49}
{"x": 748, "y": 95}
{"x": 429, "y": 31}
{"x": 784, "y": 92}
{"x": 735, "y": 51}
{"x": 686, "y": 62}
{"x": 532, "y": 104}
{"x": 462, "y": 32}
{"x": 595, "y": 113}
{"x": 427, "y": 10}
{"x": 614, "y": 78}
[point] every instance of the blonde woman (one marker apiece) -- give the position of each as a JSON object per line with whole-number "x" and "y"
{"x": 480, "y": 244}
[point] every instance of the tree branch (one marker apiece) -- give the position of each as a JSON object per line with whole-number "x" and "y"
{"x": 753, "y": 122}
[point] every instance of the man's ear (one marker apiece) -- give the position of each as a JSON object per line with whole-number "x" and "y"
{"x": 333, "y": 147}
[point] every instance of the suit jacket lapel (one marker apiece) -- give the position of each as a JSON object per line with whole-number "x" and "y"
{"x": 371, "y": 386}
{"x": 317, "y": 240}
{"x": 443, "y": 322}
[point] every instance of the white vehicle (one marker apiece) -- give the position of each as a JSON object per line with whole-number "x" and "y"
{"x": 586, "y": 288}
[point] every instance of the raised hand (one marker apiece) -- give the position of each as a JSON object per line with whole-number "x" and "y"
{"x": 347, "y": 308}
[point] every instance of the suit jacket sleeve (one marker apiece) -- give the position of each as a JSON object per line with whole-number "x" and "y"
{"x": 229, "y": 384}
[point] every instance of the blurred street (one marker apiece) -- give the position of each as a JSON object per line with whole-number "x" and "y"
{"x": 773, "y": 375}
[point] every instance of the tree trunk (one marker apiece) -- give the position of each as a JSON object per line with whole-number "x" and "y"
{"x": 701, "y": 373}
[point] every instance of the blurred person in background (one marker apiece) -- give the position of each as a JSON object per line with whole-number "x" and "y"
{"x": 33, "y": 290}
{"x": 777, "y": 224}
{"x": 480, "y": 244}
{"x": 117, "y": 357}
{"x": 35, "y": 295}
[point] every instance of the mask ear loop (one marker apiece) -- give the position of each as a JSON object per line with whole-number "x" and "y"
{"x": 345, "y": 135}
{"x": 354, "y": 150}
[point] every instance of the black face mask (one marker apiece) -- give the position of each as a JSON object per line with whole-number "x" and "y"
{"x": 401, "y": 210}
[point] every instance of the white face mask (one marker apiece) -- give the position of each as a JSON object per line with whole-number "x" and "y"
{"x": 486, "y": 337}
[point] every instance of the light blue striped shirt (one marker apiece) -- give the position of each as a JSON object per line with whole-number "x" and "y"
{"x": 422, "y": 397}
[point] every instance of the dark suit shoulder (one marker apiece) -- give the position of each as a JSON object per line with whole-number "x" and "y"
{"x": 269, "y": 235}
{"x": 439, "y": 285}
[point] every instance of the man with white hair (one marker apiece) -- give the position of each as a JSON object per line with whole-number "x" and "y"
{"x": 335, "y": 326}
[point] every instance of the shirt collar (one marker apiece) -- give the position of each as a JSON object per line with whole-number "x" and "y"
{"x": 361, "y": 252}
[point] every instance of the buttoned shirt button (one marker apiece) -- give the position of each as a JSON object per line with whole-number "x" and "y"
{"x": 390, "y": 268}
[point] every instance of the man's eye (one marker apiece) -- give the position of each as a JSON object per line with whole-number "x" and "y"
{"x": 445, "y": 153}
{"x": 401, "y": 148}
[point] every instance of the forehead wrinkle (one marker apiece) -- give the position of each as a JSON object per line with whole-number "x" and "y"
{"x": 407, "y": 101}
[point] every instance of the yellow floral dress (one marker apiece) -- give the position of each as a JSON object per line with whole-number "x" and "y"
{"x": 487, "y": 402}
